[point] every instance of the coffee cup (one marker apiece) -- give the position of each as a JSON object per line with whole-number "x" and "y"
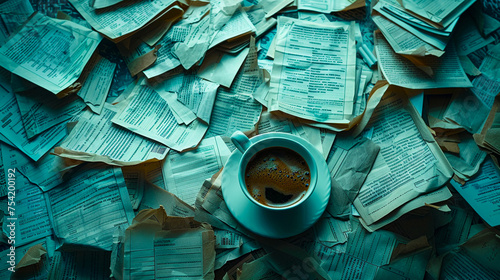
{"x": 275, "y": 173}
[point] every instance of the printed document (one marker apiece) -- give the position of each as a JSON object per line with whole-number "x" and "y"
{"x": 88, "y": 207}
{"x": 273, "y": 123}
{"x": 246, "y": 245}
{"x": 12, "y": 127}
{"x": 220, "y": 67}
{"x": 96, "y": 86}
{"x": 194, "y": 92}
{"x": 31, "y": 216}
{"x": 233, "y": 111}
{"x": 439, "y": 195}
{"x": 48, "y": 52}
{"x": 201, "y": 214}
{"x": 225, "y": 21}
{"x": 214, "y": 204}
{"x": 402, "y": 41}
{"x": 185, "y": 172}
{"x": 257, "y": 16}
{"x": 13, "y": 14}
{"x": 122, "y": 19}
{"x": 235, "y": 108}
{"x": 360, "y": 257}
{"x": 134, "y": 177}
{"x": 475, "y": 259}
{"x": 423, "y": 30}
{"x": 184, "y": 254}
{"x": 181, "y": 112}
{"x": 165, "y": 60}
{"x": 442, "y": 13}
{"x": 330, "y": 231}
{"x": 46, "y": 173}
{"x": 482, "y": 192}
{"x": 238, "y": 25}
{"x": 154, "y": 197}
{"x": 410, "y": 162}
{"x": 398, "y": 70}
{"x": 148, "y": 114}
{"x": 470, "y": 39}
{"x": 41, "y": 111}
{"x": 96, "y": 138}
{"x": 313, "y": 78}
{"x": 168, "y": 247}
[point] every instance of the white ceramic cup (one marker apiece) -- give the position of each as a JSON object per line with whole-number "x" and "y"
{"x": 249, "y": 149}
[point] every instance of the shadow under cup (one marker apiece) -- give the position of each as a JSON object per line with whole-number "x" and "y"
{"x": 278, "y": 142}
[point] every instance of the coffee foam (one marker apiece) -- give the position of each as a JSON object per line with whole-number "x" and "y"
{"x": 277, "y": 177}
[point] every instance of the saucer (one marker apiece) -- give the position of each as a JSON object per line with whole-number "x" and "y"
{"x": 279, "y": 224}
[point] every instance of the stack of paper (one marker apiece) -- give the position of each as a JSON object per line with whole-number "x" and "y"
{"x": 120, "y": 21}
{"x": 50, "y": 53}
{"x": 116, "y": 117}
{"x": 312, "y": 78}
{"x": 419, "y": 27}
{"x": 222, "y": 25}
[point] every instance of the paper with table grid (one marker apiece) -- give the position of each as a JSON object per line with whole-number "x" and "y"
{"x": 313, "y": 78}
{"x": 49, "y": 52}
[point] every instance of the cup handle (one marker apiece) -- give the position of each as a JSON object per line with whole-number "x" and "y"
{"x": 241, "y": 141}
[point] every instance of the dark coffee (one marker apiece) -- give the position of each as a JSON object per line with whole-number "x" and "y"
{"x": 277, "y": 177}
